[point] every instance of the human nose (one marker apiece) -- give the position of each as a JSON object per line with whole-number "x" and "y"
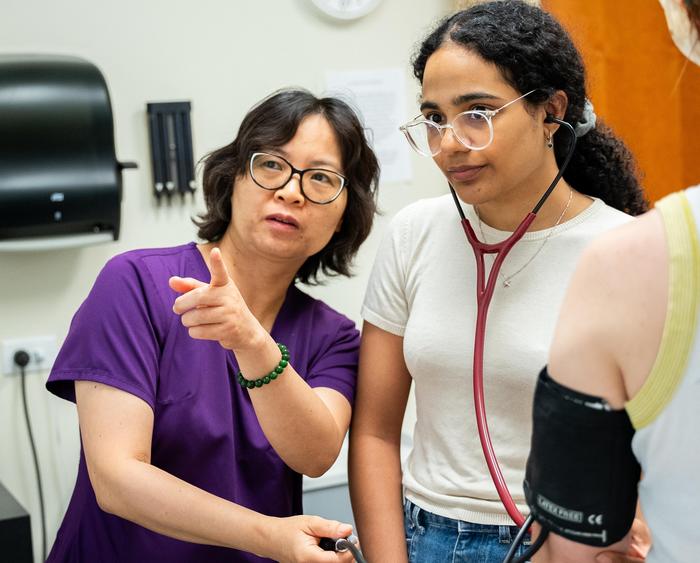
{"x": 449, "y": 142}
{"x": 291, "y": 191}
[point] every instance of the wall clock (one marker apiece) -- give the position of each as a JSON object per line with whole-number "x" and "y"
{"x": 346, "y": 9}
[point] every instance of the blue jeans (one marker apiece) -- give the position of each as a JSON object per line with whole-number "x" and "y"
{"x": 435, "y": 539}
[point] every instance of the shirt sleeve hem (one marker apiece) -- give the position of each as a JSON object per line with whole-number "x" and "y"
{"x": 318, "y": 383}
{"x": 381, "y": 322}
{"x": 98, "y": 376}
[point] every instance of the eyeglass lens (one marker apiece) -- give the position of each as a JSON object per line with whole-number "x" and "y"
{"x": 273, "y": 172}
{"x": 472, "y": 128}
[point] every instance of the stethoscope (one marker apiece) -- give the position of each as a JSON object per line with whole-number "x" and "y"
{"x": 485, "y": 286}
{"x": 341, "y": 545}
{"x": 484, "y": 292}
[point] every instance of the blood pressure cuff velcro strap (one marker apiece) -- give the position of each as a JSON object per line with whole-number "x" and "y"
{"x": 581, "y": 478}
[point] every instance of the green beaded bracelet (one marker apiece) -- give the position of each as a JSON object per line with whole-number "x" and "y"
{"x": 252, "y": 383}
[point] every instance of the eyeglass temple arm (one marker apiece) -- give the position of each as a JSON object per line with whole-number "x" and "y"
{"x": 572, "y": 146}
{"x": 550, "y": 119}
{"x": 493, "y": 112}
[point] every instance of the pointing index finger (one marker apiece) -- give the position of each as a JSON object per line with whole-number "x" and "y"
{"x": 219, "y": 274}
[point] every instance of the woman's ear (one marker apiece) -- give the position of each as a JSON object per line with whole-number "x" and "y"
{"x": 556, "y": 107}
{"x": 557, "y": 104}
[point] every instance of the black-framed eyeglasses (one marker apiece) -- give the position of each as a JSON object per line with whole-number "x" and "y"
{"x": 318, "y": 185}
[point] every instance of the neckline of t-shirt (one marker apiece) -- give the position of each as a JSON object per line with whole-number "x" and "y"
{"x": 495, "y": 235}
{"x": 199, "y": 259}
{"x": 281, "y": 314}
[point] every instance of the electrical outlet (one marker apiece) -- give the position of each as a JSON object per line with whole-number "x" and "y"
{"x": 42, "y": 352}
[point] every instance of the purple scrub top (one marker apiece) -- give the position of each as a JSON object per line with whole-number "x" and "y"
{"x": 205, "y": 429}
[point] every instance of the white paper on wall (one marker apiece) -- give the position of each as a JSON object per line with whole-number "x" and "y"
{"x": 380, "y": 98}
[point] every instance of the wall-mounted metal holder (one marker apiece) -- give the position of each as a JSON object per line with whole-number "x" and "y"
{"x": 171, "y": 148}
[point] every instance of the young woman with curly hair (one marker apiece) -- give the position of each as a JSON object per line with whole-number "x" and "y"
{"x": 490, "y": 76}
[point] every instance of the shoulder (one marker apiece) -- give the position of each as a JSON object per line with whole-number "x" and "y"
{"x": 143, "y": 258}
{"x": 322, "y": 318}
{"x": 613, "y": 310}
{"x": 423, "y": 221}
{"x": 681, "y": 207}
{"x": 142, "y": 276}
{"x": 620, "y": 252}
{"x": 615, "y": 275}
{"x": 152, "y": 262}
{"x": 619, "y": 270}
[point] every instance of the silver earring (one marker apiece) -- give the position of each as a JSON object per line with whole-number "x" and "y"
{"x": 550, "y": 144}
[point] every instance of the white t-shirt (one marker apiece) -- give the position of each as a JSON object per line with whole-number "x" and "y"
{"x": 422, "y": 287}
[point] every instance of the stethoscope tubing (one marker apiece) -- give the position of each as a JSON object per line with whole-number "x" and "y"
{"x": 485, "y": 286}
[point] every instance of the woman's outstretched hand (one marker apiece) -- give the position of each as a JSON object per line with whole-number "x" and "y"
{"x": 216, "y": 310}
{"x": 297, "y": 540}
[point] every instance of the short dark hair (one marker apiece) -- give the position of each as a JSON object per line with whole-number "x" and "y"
{"x": 272, "y": 123}
{"x": 534, "y": 52}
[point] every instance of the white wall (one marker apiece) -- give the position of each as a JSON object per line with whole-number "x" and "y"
{"x": 223, "y": 56}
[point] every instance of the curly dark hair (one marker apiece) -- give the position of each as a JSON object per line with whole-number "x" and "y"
{"x": 272, "y": 123}
{"x": 534, "y": 52}
{"x": 693, "y": 9}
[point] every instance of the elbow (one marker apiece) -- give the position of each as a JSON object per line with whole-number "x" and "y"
{"x": 319, "y": 468}
{"x": 314, "y": 473}
{"x": 110, "y": 486}
{"x": 104, "y": 497}
{"x": 317, "y": 464}
{"x": 106, "y": 506}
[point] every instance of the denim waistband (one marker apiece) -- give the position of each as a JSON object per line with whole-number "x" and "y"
{"x": 420, "y": 518}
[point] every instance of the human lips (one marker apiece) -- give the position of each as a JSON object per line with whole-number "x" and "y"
{"x": 281, "y": 219}
{"x": 464, "y": 173}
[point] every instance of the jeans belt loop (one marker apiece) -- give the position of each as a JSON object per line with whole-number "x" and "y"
{"x": 414, "y": 517}
{"x": 504, "y": 535}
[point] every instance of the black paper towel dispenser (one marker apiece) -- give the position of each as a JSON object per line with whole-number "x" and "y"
{"x": 59, "y": 175}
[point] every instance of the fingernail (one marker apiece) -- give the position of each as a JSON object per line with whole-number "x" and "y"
{"x": 603, "y": 559}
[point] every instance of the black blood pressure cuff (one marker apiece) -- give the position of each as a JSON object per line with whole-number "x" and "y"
{"x": 581, "y": 478}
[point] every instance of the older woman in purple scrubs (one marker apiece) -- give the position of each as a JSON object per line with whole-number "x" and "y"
{"x": 206, "y": 382}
